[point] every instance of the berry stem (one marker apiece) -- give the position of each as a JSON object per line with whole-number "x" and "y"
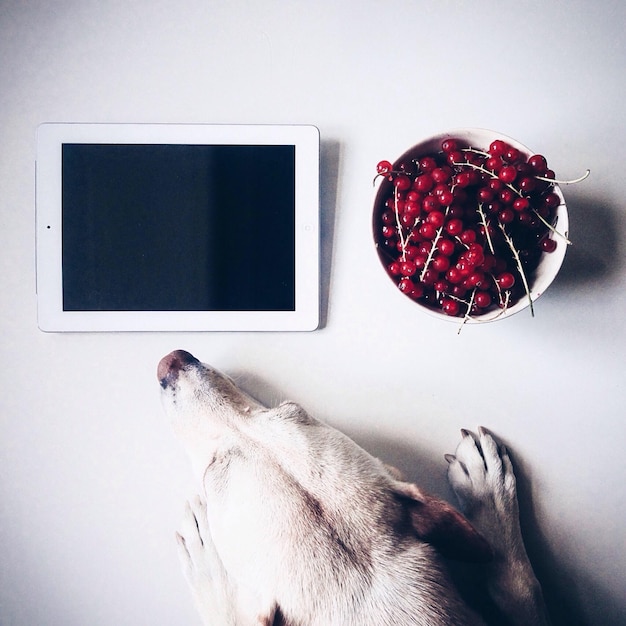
{"x": 467, "y": 315}
{"x": 565, "y": 182}
{"x": 520, "y": 268}
{"x": 431, "y": 252}
{"x": 491, "y": 174}
{"x": 399, "y": 225}
{"x": 483, "y": 219}
{"x": 552, "y": 228}
{"x": 475, "y": 151}
{"x": 504, "y": 302}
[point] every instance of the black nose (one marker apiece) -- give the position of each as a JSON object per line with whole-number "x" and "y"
{"x": 170, "y": 366}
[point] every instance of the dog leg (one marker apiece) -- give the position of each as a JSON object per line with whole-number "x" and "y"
{"x": 217, "y": 598}
{"x": 482, "y": 477}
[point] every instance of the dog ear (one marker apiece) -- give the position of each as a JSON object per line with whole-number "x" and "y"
{"x": 442, "y": 526}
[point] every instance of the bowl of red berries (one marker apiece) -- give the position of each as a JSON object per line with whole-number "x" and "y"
{"x": 470, "y": 224}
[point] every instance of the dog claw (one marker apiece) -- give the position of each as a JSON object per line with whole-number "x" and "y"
{"x": 465, "y": 433}
{"x": 449, "y": 457}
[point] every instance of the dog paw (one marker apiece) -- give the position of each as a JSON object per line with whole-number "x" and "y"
{"x": 481, "y": 475}
{"x": 202, "y": 566}
{"x": 219, "y": 600}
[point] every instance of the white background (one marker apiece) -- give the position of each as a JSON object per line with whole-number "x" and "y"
{"x": 92, "y": 482}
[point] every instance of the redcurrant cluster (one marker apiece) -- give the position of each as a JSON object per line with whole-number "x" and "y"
{"x": 462, "y": 230}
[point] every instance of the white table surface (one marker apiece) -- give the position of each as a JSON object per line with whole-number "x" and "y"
{"x": 92, "y": 481}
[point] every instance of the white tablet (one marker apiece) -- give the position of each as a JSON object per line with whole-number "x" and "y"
{"x": 144, "y": 227}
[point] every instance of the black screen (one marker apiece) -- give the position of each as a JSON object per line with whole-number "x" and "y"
{"x": 178, "y": 227}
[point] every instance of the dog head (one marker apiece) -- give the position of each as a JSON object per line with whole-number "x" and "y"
{"x": 281, "y": 467}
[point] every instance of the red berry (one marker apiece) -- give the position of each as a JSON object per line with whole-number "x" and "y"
{"x": 407, "y": 220}
{"x": 507, "y": 174}
{"x": 446, "y": 246}
{"x": 388, "y": 217}
{"x": 512, "y": 155}
{"x": 424, "y": 183}
{"x": 493, "y": 207}
{"x": 548, "y": 245}
{"x": 430, "y": 276}
{"x": 454, "y": 226}
{"x": 442, "y": 286}
{"x": 402, "y": 182}
{"x": 551, "y": 200}
{"x": 442, "y": 174}
{"x": 497, "y": 148}
{"x": 475, "y": 255}
{"x": 506, "y": 216}
{"x": 412, "y": 208}
{"x": 485, "y": 194}
{"x": 462, "y": 179}
{"x": 482, "y": 299}
{"x": 405, "y": 285}
{"x": 464, "y": 267}
{"x": 493, "y": 163}
{"x": 507, "y": 196}
{"x": 455, "y": 157}
{"x": 475, "y": 279}
{"x": 527, "y": 184}
{"x": 419, "y": 261}
{"x": 440, "y": 263}
{"x": 430, "y": 203}
{"x": 425, "y": 247}
{"x": 384, "y": 167}
{"x": 538, "y": 164}
{"x": 450, "y": 145}
{"x": 436, "y": 218}
{"x": 407, "y": 268}
{"x": 410, "y": 252}
{"x": 468, "y": 236}
{"x": 394, "y": 268}
{"x": 417, "y": 291}
{"x": 398, "y": 204}
{"x": 428, "y": 231}
{"x": 446, "y": 197}
{"x": 427, "y": 163}
{"x": 505, "y": 280}
{"x": 521, "y": 204}
{"x": 459, "y": 291}
{"x": 454, "y": 276}
{"x": 487, "y": 231}
{"x": 455, "y": 211}
{"x": 450, "y": 306}
{"x": 495, "y": 184}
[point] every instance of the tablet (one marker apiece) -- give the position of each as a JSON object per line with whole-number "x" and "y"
{"x": 159, "y": 227}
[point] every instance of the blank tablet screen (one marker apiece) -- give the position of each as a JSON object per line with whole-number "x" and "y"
{"x": 156, "y": 227}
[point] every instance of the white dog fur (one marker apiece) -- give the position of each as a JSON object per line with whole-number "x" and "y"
{"x": 297, "y": 525}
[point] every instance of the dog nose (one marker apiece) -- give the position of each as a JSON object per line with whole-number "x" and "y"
{"x": 170, "y": 366}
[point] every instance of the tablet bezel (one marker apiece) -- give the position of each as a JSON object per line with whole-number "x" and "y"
{"x": 50, "y": 313}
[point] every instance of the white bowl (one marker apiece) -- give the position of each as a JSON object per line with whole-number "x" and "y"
{"x": 549, "y": 263}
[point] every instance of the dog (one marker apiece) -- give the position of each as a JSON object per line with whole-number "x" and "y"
{"x": 296, "y": 525}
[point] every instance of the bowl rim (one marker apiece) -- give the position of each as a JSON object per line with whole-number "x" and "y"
{"x": 549, "y": 264}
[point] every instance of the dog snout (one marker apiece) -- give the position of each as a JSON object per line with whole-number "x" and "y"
{"x": 170, "y": 366}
